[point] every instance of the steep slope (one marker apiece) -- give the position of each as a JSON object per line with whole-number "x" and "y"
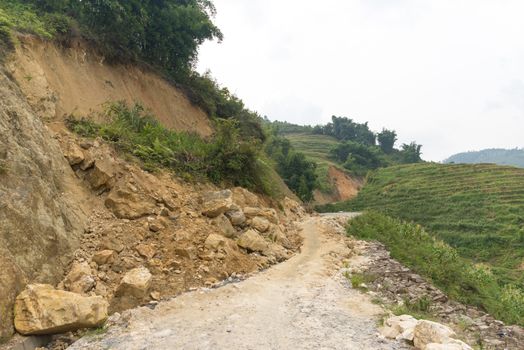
{"x": 478, "y": 209}
{"x": 513, "y": 157}
{"x": 41, "y": 220}
{"x": 59, "y": 81}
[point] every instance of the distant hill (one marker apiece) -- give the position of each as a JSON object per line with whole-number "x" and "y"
{"x": 514, "y": 157}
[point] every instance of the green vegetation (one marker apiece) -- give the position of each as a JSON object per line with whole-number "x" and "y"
{"x": 349, "y": 145}
{"x": 420, "y": 308}
{"x": 458, "y": 277}
{"x": 316, "y": 148}
{"x": 477, "y": 209}
{"x": 514, "y": 157}
{"x": 298, "y": 172}
{"x": 224, "y": 159}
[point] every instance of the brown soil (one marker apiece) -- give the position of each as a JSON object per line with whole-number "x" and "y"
{"x": 62, "y": 81}
{"x": 345, "y": 187}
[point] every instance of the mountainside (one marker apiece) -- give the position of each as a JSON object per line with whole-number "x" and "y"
{"x": 477, "y": 209}
{"x": 514, "y": 157}
{"x": 336, "y": 184}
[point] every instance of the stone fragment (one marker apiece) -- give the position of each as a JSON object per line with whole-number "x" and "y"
{"x": 74, "y": 154}
{"x": 79, "y": 279}
{"x": 216, "y": 203}
{"x": 253, "y": 242}
{"x": 104, "y": 257}
{"x": 236, "y": 217}
{"x": 214, "y": 242}
{"x": 427, "y": 332}
{"x": 145, "y": 250}
{"x": 40, "y": 309}
{"x": 135, "y": 283}
{"x": 225, "y": 227}
{"x": 128, "y": 205}
{"x": 400, "y": 327}
{"x": 260, "y": 224}
{"x": 101, "y": 176}
{"x": 187, "y": 252}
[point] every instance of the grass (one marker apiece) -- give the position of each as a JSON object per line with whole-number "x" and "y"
{"x": 224, "y": 159}
{"x": 316, "y": 148}
{"x": 458, "y": 277}
{"x": 420, "y": 309}
{"x": 477, "y": 209}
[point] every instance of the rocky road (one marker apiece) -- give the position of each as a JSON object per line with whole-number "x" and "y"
{"x": 303, "y": 303}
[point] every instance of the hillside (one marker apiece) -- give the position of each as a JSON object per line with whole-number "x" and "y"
{"x": 514, "y": 157}
{"x": 478, "y": 209}
{"x": 336, "y": 184}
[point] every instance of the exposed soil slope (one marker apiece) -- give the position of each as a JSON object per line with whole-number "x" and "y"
{"x": 303, "y": 303}
{"x": 61, "y": 81}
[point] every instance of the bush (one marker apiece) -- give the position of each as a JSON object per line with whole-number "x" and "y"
{"x": 458, "y": 277}
{"x": 226, "y": 158}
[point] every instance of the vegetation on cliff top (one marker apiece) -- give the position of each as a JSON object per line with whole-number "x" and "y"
{"x": 458, "y": 277}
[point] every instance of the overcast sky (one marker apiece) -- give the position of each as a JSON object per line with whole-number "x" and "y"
{"x": 448, "y": 74}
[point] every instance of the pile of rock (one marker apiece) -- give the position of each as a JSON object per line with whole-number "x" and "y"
{"x": 423, "y": 334}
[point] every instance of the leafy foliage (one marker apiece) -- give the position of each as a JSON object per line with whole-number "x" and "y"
{"x": 357, "y": 157}
{"x": 345, "y": 129}
{"x": 386, "y": 140}
{"x": 225, "y": 159}
{"x": 459, "y": 278}
{"x": 296, "y": 170}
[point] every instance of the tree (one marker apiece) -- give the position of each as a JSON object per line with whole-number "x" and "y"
{"x": 386, "y": 140}
{"x": 411, "y": 153}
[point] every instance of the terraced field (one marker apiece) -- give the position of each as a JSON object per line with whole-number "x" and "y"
{"x": 478, "y": 209}
{"x": 316, "y": 148}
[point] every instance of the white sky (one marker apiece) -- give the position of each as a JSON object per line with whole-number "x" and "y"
{"x": 448, "y": 74}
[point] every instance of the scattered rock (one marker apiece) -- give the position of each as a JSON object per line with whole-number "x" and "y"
{"x": 129, "y": 205}
{"x": 155, "y": 226}
{"x": 400, "y": 327}
{"x": 73, "y": 153}
{"x": 104, "y": 257}
{"x": 236, "y": 216}
{"x": 188, "y": 252}
{"x": 101, "y": 176}
{"x": 79, "y": 279}
{"x": 217, "y": 203}
{"x": 40, "y": 309}
{"x": 253, "y": 242}
{"x": 225, "y": 226}
{"x": 135, "y": 283}
{"x": 260, "y": 224}
{"x": 427, "y": 332}
{"x": 145, "y": 250}
{"x": 214, "y": 242}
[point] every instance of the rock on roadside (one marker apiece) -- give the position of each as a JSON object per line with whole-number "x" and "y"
{"x": 40, "y": 309}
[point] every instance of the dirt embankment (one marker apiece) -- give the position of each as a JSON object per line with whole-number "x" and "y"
{"x": 61, "y": 81}
{"x": 344, "y": 187}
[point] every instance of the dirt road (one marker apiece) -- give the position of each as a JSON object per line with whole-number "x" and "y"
{"x": 304, "y": 303}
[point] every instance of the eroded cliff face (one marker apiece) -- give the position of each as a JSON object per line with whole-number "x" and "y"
{"x": 60, "y": 81}
{"x": 40, "y": 223}
{"x": 345, "y": 187}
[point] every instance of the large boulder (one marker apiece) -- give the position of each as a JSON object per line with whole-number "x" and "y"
{"x": 79, "y": 279}
{"x": 454, "y": 345}
{"x": 267, "y": 213}
{"x": 225, "y": 226}
{"x": 427, "y": 332}
{"x": 236, "y": 216}
{"x": 253, "y": 242}
{"x": 41, "y": 309}
{"x": 260, "y": 224}
{"x": 216, "y": 203}
{"x": 244, "y": 198}
{"x": 129, "y": 205}
{"x": 102, "y": 175}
